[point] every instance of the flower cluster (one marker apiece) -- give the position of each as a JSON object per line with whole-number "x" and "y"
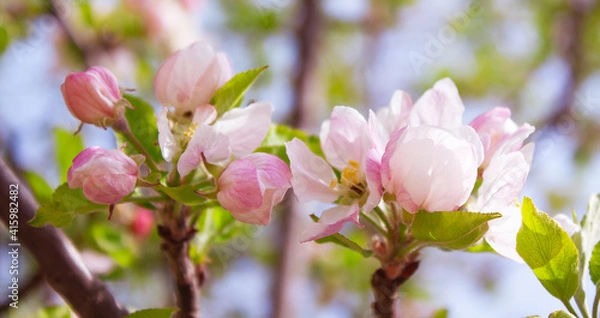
{"x": 407, "y": 157}
{"x": 417, "y": 156}
{"x": 193, "y": 136}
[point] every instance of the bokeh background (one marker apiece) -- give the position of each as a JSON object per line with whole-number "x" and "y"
{"x": 540, "y": 58}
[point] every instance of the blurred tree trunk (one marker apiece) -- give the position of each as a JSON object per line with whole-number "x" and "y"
{"x": 307, "y": 103}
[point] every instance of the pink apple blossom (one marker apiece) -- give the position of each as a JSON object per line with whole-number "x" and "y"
{"x": 93, "y": 96}
{"x": 502, "y": 182}
{"x": 237, "y": 133}
{"x": 496, "y": 128}
{"x": 189, "y": 78}
{"x": 346, "y": 143}
{"x": 505, "y": 169}
{"x": 431, "y": 168}
{"x": 106, "y": 176}
{"x": 251, "y": 185}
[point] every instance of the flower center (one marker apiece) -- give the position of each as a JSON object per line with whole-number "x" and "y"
{"x": 189, "y": 133}
{"x": 352, "y": 178}
{"x": 350, "y": 174}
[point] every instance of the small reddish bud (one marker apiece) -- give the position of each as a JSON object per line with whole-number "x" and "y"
{"x": 93, "y": 96}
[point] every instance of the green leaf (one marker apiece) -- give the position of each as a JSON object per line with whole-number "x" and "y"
{"x": 483, "y": 247}
{"x": 440, "y": 313}
{"x": 278, "y": 135}
{"x": 54, "y": 312}
{"x": 215, "y": 221}
{"x": 549, "y": 252}
{"x": 63, "y": 206}
{"x": 4, "y": 39}
{"x": 595, "y": 264}
{"x": 68, "y": 146}
{"x": 142, "y": 123}
{"x": 183, "y": 194}
{"x": 231, "y": 94}
{"x": 560, "y": 314}
{"x": 39, "y": 187}
{"x": 152, "y": 313}
{"x": 341, "y": 240}
{"x": 118, "y": 245}
{"x": 215, "y": 226}
{"x": 454, "y": 230}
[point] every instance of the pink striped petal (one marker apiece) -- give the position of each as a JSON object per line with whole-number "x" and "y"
{"x": 502, "y": 234}
{"x": 246, "y": 127}
{"x": 373, "y": 181}
{"x": 205, "y": 115}
{"x": 432, "y": 168}
{"x": 250, "y": 187}
{"x": 166, "y": 140}
{"x": 312, "y": 176}
{"x": 331, "y": 222}
{"x": 239, "y": 187}
{"x": 398, "y": 113}
{"x": 206, "y": 141}
{"x": 439, "y": 106}
{"x": 345, "y": 137}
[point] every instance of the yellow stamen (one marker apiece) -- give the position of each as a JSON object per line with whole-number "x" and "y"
{"x": 333, "y": 183}
{"x": 190, "y": 131}
{"x": 350, "y": 174}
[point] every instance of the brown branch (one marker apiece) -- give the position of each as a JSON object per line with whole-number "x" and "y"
{"x": 385, "y": 290}
{"x": 175, "y": 235}
{"x": 58, "y": 259}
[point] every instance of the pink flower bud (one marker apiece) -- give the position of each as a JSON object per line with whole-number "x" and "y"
{"x": 190, "y": 77}
{"x": 250, "y": 187}
{"x": 93, "y": 96}
{"x": 106, "y": 176}
{"x": 431, "y": 168}
{"x": 143, "y": 222}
